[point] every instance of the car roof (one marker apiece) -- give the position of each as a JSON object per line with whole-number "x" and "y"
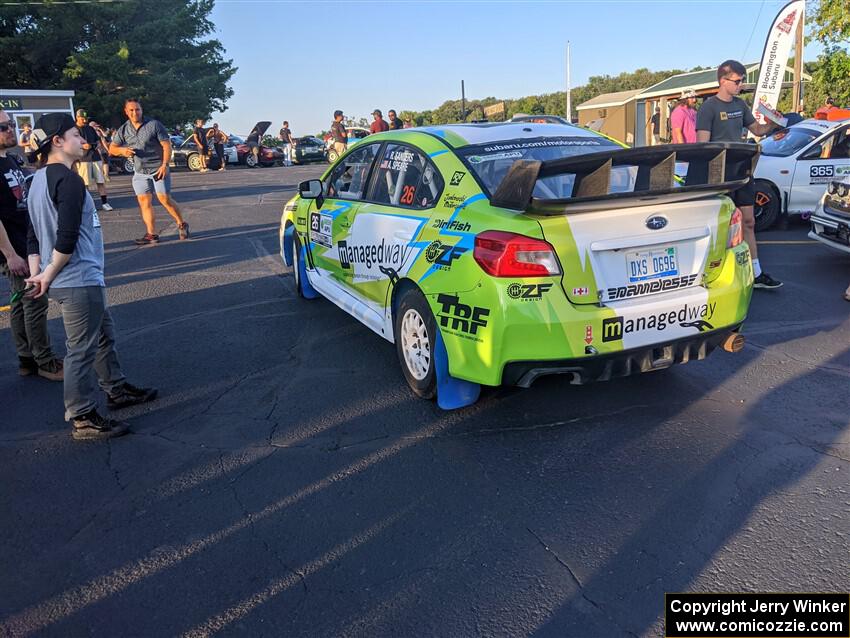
{"x": 824, "y": 126}
{"x": 460, "y": 135}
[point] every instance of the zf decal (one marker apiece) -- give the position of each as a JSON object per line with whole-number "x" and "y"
{"x": 821, "y": 173}
{"x": 613, "y": 328}
{"x": 743, "y": 257}
{"x": 533, "y": 292}
{"x": 443, "y": 255}
{"x": 459, "y": 317}
{"x": 457, "y": 178}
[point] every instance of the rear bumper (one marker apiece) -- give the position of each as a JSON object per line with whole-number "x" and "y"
{"x": 619, "y": 364}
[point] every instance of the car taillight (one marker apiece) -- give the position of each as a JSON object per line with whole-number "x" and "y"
{"x": 504, "y": 254}
{"x": 736, "y": 229}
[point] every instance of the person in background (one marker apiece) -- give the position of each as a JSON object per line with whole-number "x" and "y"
{"x": 24, "y": 137}
{"x": 408, "y": 124}
{"x": 27, "y": 316}
{"x": 378, "y": 125}
{"x": 683, "y": 120}
{"x": 828, "y": 106}
{"x": 655, "y": 121}
{"x": 285, "y": 136}
{"x": 199, "y": 135}
{"x": 723, "y": 118}
{"x": 394, "y": 122}
{"x": 103, "y": 148}
{"x": 147, "y": 142}
{"x": 218, "y": 139}
{"x": 65, "y": 252}
{"x": 339, "y": 133}
{"x": 89, "y": 167}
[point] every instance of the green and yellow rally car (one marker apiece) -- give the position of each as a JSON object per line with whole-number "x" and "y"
{"x": 497, "y": 253}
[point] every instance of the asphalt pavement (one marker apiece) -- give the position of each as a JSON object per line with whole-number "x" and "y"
{"x": 287, "y": 483}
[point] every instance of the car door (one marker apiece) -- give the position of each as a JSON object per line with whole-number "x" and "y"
{"x": 403, "y": 191}
{"x": 329, "y": 226}
{"x": 816, "y": 166}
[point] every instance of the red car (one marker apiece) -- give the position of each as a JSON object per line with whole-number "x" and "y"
{"x": 268, "y": 155}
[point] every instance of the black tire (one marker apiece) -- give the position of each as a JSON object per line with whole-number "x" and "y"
{"x": 251, "y": 161}
{"x": 414, "y": 308}
{"x": 128, "y": 166}
{"x": 768, "y": 205}
{"x": 193, "y": 162}
{"x": 296, "y": 264}
{"x": 332, "y": 156}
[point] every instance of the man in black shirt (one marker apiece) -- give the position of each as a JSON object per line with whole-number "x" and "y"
{"x": 339, "y": 133}
{"x": 286, "y": 137}
{"x": 89, "y": 167}
{"x": 199, "y": 134}
{"x": 28, "y": 317}
{"x": 394, "y": 122}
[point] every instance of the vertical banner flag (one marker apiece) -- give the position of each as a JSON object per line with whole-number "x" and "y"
{"x": 780, "y": 38}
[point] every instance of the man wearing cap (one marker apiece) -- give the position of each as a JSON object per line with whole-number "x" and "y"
{"x": 89, "y": 167}
{"x": 379, "y": 125}
{"x": 148, "y": 143}
{"x": 683, "y": 120}
{"x": 65, "y": 253}
{"x": 27, "y": 316}
{"x": 340, "y": 135}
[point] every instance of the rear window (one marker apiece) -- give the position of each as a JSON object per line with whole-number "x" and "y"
{"x": 788, "y": 141}
{"x": 491, "y": 162}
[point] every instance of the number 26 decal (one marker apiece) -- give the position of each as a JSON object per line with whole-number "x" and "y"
{"x": 407, "y": 195}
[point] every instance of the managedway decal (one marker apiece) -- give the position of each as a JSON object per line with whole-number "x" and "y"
{"x": 697, "y": 316}
{"x": 372, "y": 255}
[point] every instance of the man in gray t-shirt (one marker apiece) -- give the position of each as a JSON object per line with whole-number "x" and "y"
{"x": 723, "y": 118}
{"x": 147, "y": 142}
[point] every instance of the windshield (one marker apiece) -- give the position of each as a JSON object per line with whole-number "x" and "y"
{"x": 788, "y": 141}
{"x": 491, "y": 162}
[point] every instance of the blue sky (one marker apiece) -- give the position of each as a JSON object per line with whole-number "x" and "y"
{"x": 308, "y": 58}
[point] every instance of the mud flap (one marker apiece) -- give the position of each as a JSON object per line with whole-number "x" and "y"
{"x": 452, "y": 393}
{"x": 306, "y": 289}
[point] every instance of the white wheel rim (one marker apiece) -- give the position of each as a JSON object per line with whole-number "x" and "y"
{"x": 415, "y": 344}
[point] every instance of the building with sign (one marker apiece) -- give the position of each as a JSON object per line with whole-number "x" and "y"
{"x": 610, "y": 113}
{"x": 25, "y": 106}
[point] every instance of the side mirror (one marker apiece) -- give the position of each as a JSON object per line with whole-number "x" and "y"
{"x": 312, "y": 189}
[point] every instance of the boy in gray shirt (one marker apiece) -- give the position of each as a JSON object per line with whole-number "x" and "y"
{"x": 723, "y": 118}
{"x": 65, "y": 249}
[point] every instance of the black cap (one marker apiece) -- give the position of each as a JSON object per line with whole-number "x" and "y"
{"x": 337, "y": 113}
{"x": 46, "y": 128}
{"x": 377, "y": 112}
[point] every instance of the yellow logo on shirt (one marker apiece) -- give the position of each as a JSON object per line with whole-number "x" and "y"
{"x": 723, "y": 116}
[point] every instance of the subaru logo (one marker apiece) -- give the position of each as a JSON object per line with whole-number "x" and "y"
{"x": 656, "y": 222}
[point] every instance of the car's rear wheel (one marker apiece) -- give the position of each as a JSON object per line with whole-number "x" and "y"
{"x": 767, "y": 205}
{"x": 194, "y": 162}
{"x": 332, "y": 156}
{"x": 416, "y": 341}
{"x": 128, "y": 166}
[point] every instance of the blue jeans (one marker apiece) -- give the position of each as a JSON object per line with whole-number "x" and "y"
{"x": 90, "y": 343}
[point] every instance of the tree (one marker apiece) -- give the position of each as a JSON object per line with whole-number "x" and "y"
{"x": 830, "y": 22}
{"x": 154, "y": 50}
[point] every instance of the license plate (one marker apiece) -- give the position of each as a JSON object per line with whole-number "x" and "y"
{"x": 652, "y": 264}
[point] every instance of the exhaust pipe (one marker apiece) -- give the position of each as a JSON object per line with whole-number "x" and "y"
{"x": 733, "y": 343}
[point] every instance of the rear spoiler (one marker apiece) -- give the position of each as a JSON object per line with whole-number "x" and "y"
{"x": 713, "y": 168}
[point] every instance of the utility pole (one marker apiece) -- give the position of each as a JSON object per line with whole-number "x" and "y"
{"x": 569, "y": 97}
{"x": 798, "y": 64}
{"x": 462, "y": 103}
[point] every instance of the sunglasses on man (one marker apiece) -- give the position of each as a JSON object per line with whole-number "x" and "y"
{"x": 7, "y": 126}
{"x": 736, "y": 82}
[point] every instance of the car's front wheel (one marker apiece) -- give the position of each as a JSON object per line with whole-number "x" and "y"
{"x": 128, "y": 166}
{"x": 767, "y": 205}
{"x": 332, "y": 156}
{"x": 251, "y": 160}
{"x": 194, "y": 162}
{"x": 416, "y": 342}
